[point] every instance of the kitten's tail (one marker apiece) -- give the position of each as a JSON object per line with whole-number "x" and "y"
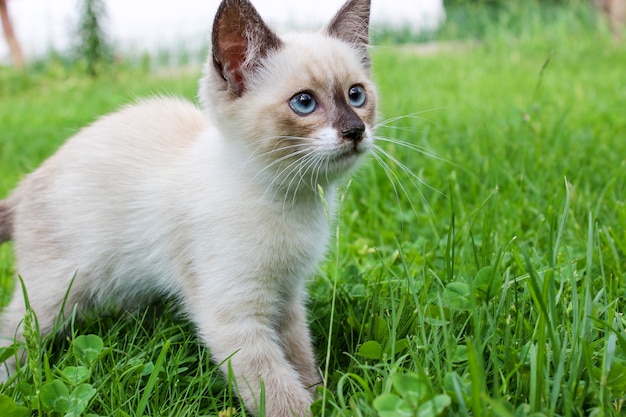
{"x": 6, "y": 221}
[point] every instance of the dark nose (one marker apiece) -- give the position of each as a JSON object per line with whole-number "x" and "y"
{"x": 353, "y": 134}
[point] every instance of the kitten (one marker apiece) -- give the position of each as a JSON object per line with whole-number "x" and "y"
{"x": 218, "y": 207}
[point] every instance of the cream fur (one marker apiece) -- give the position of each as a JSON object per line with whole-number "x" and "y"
{"x": 213, "y": 207}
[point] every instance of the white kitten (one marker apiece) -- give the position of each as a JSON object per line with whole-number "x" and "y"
{"x": 217, "y": 207}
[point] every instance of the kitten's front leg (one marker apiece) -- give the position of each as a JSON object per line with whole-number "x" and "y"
{"x": 296, "y": 339}
{"x": 243, "y": 337}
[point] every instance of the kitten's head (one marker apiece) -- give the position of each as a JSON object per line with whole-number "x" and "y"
{"x": 302, "y": 105}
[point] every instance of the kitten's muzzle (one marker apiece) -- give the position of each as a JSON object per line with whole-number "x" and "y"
{"x": 353, "y": 134}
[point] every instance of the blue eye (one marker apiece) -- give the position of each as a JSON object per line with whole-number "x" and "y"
{"x": 303, "y": 104}
{"x": 357, "y": 96}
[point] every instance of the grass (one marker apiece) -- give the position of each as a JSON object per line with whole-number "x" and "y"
{"x": 490, "y": 282}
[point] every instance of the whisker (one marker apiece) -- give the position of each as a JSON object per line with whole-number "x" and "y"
{"x": 390, "y": 172}
{"x": 304, "y": 165}
{"x": 415, "y": 115}
{"x": 301, "y": 151}
{"x": 407, "y": 170}
{"x": 420, "y": 149}
{"x": 295, "y": 171}
{"x": 288, "y": 169}
{"x": 255, "y": 155}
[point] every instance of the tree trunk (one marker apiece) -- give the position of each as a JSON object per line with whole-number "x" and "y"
{"x": 7, "y": 28}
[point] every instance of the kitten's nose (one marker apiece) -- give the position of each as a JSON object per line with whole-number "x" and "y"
{"x": 353, "y": 134}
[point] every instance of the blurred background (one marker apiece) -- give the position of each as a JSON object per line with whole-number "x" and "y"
{"x": 168, "y": 33}
{"x": 42, "y": 26}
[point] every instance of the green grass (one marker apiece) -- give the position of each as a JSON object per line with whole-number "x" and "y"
{"x": 491, "y": 283}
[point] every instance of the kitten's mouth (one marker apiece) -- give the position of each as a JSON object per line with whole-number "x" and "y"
{"x": 350, "y": 153}
{"x": 347, "y": 154}
{"x": 356, "y": 149}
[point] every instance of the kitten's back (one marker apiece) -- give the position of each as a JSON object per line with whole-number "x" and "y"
{"x": 136, "y": 141}
{"x": 166, "y": 124}
{"x": 151, "y": 132}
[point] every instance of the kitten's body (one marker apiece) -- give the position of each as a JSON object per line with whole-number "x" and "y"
{"x": 221, "y": 212}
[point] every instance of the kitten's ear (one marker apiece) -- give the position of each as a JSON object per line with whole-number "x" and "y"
{"x": 351, "y": 24}
{"x": 240, "y": 41}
